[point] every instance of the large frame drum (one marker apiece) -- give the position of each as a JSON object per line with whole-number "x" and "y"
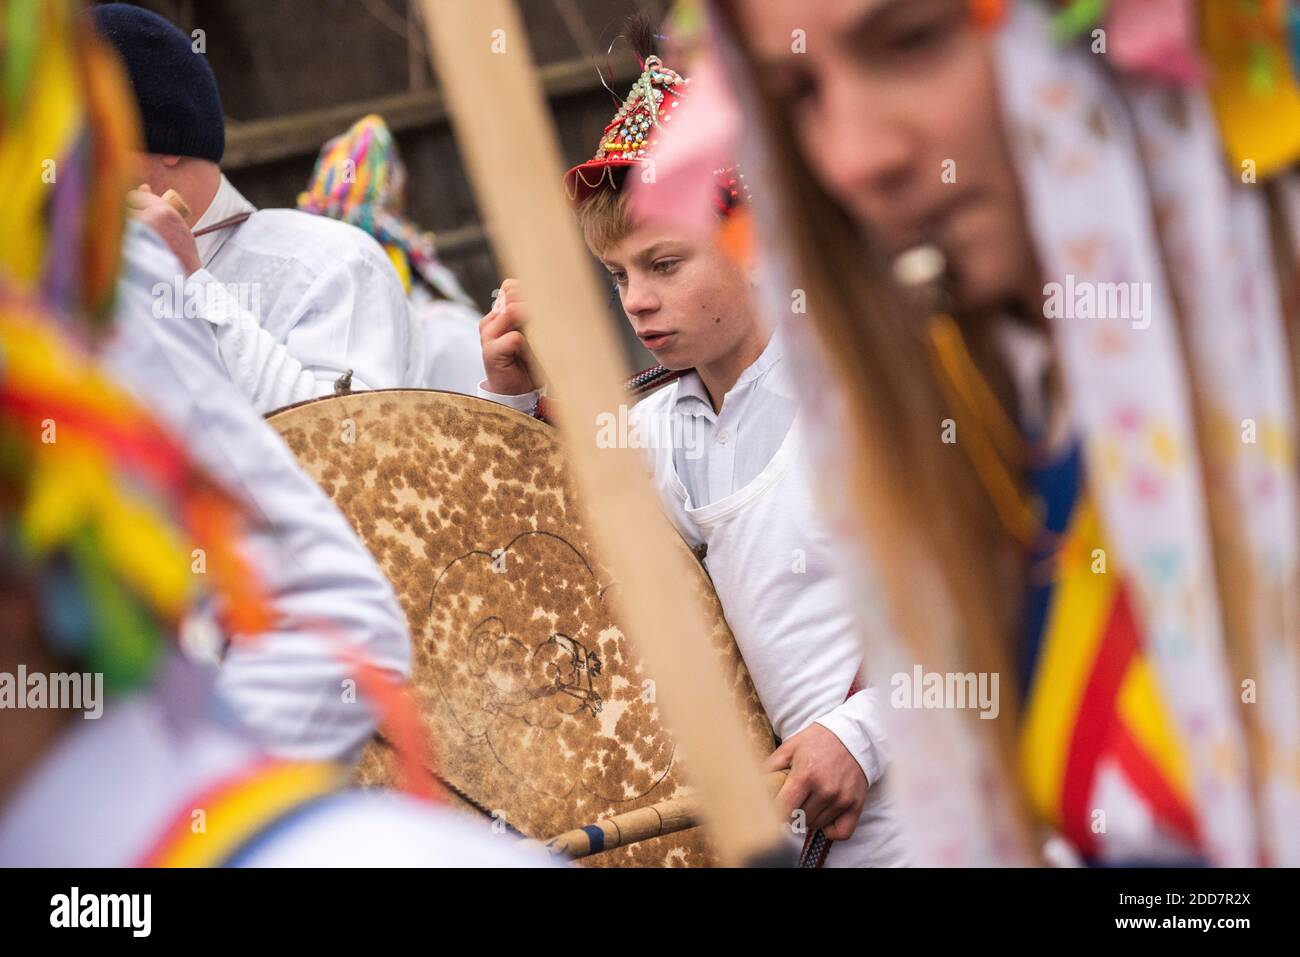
{"x": 542, "y": 716}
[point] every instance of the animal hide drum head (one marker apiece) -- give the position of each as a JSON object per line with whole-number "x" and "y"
{"x": 542, "y": 716}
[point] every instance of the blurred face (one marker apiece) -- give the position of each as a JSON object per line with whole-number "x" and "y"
{"x": 687, "y": 302}
{"x": 894, "y": 106}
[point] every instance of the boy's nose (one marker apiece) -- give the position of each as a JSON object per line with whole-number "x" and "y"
{"x": 638, "y": 299}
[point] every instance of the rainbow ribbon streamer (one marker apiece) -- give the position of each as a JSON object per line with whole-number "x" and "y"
{"x": 122, "y": 530}
{"x": 1091, "y": 699}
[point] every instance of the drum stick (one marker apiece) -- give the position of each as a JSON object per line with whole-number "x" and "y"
{"x": 641, "y": 824}
{"x": 497, "y": 110}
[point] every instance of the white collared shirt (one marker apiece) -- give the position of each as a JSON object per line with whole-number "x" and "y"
{"x": 298, "y": 301}
{"x": 722, "y": 452}
{"x": 228, "y": 202}
{"x": 739, "y": 483}
{"x": 446, "y": 341}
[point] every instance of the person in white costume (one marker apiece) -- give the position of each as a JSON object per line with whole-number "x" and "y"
{"x": 360, "y": 179}
{"x": 300, "y": 305}
{"x": 106, "y": 792}
{"x": 725, "y": 443}
{"x": 287, "y": 687}
{"x": 116, "y": 750}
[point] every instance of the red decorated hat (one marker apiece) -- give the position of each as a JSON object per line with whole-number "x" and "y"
{"x": 630, "y": 138}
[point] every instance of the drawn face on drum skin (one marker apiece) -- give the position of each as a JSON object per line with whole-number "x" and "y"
{"x": 687, "y": 302}
{"x": 888, "y": 95}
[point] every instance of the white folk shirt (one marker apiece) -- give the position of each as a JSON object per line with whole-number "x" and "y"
{"x": 108, "y": 789}
{"x": 445, "y": 341}
{"x": 297, "y": 301}
{"x": 738, "y": 483}
{"x": 286, "y": 686}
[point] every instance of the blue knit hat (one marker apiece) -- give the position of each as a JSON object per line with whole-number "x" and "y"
{"x": 180, "y": 107}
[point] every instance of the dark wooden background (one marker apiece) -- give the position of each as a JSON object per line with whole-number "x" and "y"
{"x": 293, "y": 73}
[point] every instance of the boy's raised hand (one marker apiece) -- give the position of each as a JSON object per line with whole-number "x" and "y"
{"x": 507, "y": 360}
{"x": 825, "y": 780}
{"x": 164, "y": 219}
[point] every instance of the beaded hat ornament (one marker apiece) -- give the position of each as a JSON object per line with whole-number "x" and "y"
{"x": 630, "y": 138}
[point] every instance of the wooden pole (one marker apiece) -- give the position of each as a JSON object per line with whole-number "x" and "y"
{"x": 481, "y": 54}
{"x": 253, "y": 142}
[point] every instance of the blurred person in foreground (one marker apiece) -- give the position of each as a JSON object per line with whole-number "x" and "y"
{"x": 119, "y": 746}
{"x": 1071, "y": 418}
